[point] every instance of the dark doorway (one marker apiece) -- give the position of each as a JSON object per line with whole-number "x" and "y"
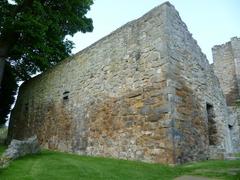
{"x": 212, "y": 129}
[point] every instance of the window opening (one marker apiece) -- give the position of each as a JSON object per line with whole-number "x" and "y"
{"x": 66, "y": 95}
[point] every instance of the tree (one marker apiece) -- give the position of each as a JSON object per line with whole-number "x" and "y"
{"x": 32, "y": 33}
{"x": 7, "y": 97}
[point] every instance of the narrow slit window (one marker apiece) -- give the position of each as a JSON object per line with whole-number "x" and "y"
{"x": 230, "y": 127}
{"x": 66, "y": 95}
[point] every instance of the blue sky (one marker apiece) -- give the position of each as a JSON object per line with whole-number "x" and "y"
{"x": 211, "y": 22}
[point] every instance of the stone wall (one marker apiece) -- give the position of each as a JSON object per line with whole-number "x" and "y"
{"x": 226, "y": 59}
{"x": 139, "y": 93}
{"x": 195, "y": 87}
{"x": 109, "y": 100}
{"x": 234, "y": 127}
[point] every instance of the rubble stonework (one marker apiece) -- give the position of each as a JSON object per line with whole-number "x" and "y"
{"x": 226, "y": 59}
{"x": 145, "y": 92}
{"x": 18, "y": 148}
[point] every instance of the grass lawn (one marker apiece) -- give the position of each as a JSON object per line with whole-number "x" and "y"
{"x": 49, "y": 165}
{"x": 2, "y": 148}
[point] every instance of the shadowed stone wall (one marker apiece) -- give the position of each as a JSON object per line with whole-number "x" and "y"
{"x": 234, "y": 127}
{"x": 195, "y": 86}
{"x": 139, "y": 93}
{"x": 226, "y": 59}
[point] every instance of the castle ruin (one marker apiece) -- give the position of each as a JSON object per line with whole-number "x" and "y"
{"x": 227, "y": 68}
{"x": 145, "y": 92}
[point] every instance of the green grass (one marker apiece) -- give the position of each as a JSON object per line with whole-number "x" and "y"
{"x": 49, "y": 165}
{"x": 2, "y": 148}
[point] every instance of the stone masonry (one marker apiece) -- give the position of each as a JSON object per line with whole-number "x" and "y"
{"x": 18, "y": 148}
{"x": 145, "y": 92}
{"x": 227, "y": 68}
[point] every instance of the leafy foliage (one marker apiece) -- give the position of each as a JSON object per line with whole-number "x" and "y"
{"x": 33, "y": 32}
{"x": 32, "y": 38}
{"x": 8, "y": 91}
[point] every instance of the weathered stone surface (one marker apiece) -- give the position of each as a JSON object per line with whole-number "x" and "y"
{"x": 227, "y": 68}
{"x": 194, "y": 86}
{"x": 140, "y": 93}
{"x": 226, "y": 59}
{"x": 19, "y": 148}
{"x": 234, "y": 126}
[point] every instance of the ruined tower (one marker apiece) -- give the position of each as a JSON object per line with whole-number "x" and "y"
{"x": 226, "y": 58}
{"x": 145, "y": 92}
